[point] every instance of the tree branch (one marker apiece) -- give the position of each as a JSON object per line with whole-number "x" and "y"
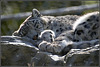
{"x": 59, "y": 11}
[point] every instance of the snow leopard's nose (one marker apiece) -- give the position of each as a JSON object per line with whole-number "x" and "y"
{"x": 35, "y": 37}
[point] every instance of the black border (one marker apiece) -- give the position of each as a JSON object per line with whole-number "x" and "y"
{"x": 46, "y": 0}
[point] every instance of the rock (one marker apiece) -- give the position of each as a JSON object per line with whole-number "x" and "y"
{"x": 17, "y": 51}
{"x": 76, "y": 57}
{"x": 47, "y": 59}
{"x": 17, "y": 39}
{"x": 83, "y": 57}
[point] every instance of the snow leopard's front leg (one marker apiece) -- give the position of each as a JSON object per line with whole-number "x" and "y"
{"x": 47, "y": 35}
{"x": 80, "y": 45}
{"x": 54, "y": 48}
{"x": 48, "y": 43}
{"x": 63, "y": 47}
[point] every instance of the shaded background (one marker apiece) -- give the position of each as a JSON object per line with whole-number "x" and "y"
{"x": 14, "y": 7}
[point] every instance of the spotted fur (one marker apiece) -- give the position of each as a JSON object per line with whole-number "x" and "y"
{"x": 68, "y": 40}
{"x": 87, "y": 27}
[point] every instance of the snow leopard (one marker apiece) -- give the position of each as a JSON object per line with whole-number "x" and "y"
{"x": 36, "y": 23}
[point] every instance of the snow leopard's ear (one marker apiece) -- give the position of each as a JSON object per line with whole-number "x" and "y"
{"x": 35, "y": 13}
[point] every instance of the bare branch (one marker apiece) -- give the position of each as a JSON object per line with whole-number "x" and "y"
{"x": 59, "y": 11}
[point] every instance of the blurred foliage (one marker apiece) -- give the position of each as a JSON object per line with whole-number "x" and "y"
{"x": 13, "y": 7}
{"x": 90, "y": 2}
